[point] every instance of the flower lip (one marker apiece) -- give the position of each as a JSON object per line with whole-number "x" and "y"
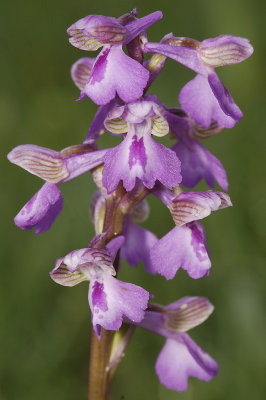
{"x": 115, "y": 73}
{"x": 183, "y": 247}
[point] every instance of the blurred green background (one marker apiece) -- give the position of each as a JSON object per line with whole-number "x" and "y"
{"x": 44, "y": 332}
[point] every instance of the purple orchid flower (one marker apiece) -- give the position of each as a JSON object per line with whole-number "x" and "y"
{"x": 197, "y": 162}
{"x": 139, "y": 156}
{"x": 109, "y": 298}
{"x": 185, "y": 245}
{"x": 113, "y": 72}
{"x": 205, "y": 98}
{"x": 55, "y": 168}
{"x": 180, "y": 357}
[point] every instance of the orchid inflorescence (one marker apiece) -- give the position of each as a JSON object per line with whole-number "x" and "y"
{"x": 134, "y": 169}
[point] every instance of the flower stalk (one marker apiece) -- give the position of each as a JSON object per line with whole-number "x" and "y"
{"x": 99, "y": 374}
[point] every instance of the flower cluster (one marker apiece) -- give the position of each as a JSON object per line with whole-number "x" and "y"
{"x": 138, "y": 167}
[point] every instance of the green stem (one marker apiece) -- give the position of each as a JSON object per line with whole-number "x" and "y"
{"x": 99, "y": 379}
{"x": 102, "y": 366}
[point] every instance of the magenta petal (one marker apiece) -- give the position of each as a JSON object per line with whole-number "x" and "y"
{"x": 115, "y": 72}
{"x": 112, "y": 299}
{"x": 137, "y": 245}
{"x": 165, "y": 195}
{"x": 225, "y": 100}
{"x": 97, "y": 124}
{"x": 138, "y": 26}
{"x": 179, "y": 125}
{"x": 144, "y": 159}
{"x": 41, "y": 210}
{"x": 183, "y": 247}
{"x": 204, "y": 103}
{"x": 198, "y": 163}
{"x": 114, "y": 245}
{"x": 184, "y": 55}
{"x": 181, "y": 358}
{"x": 78, "y": 164}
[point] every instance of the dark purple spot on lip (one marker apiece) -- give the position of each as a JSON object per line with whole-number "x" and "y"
{"x": 99, "y": 296}
{"x": 99, "y": 67}
{"x": 98, "y": 331}
{"x": 137, "y": 153}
